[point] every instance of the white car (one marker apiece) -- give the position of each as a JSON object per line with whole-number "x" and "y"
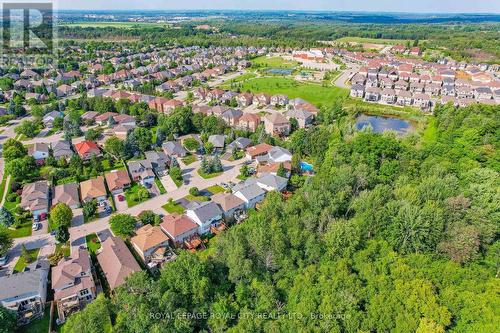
{"x": 35, "y": 226}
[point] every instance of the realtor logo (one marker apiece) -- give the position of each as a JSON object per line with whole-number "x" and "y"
{"x": 27, "y": 29}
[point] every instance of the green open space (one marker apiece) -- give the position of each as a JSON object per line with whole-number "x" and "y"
{"x": 313, "y": 93}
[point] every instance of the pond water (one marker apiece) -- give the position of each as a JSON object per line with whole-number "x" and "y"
{"x": 279, "y": 71}
{"x": 380, "y": 124}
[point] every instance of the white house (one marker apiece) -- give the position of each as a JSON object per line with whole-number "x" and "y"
{"x": 205, "y": 215}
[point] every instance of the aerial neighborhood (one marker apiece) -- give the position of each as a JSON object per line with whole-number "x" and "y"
{"x": 117, "y": 161}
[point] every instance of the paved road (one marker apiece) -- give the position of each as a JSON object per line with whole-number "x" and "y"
{"x": 190, "y": 175}
{"x": 346, "y": 75}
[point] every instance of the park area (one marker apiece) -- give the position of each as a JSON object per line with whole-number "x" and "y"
{"x": 314, "y": 93}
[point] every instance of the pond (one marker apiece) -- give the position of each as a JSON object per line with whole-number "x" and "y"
{"x": 380, "y": 124}
{"x": 279, "y": 71}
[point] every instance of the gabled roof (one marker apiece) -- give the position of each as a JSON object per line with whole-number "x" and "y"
{"x": 67, "y": 194}
{"x": 116, "y": 261}
{"x": 260, "y": 149}
{"x": 69, "y": 270}
{"x": 86, "y": 147}
{"x": 227, "y": 201}
{"x": 173, "y": 148}
{"x": 250, "y": 191}
{"x": 276, "y": 118}
{"x": 148, "y": 237}
{"x": 217, "y": 140}
{"x": 35, "y": 196}
{"x": 175, "y": 225}
{"x": 93, "y": 188}
{"x": 117, "y": 179}
{"x": 206, "y": 211}
{"x": 270, "y": 180}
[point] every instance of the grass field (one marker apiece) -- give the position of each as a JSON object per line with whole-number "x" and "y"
{"x": 160, "y": 186}
{"x": 274, "y": 62}
{"x": 172, "y": 207}
{"x": 214, "y": 189}
{"x": 21, "y": 263}
{"x": 311, "y": 92}
{"x": 371, "y": 40}
{"x": 208, "y": 175}
{"x": 131, "y": 195}
{"x": 200, "y": 198}
{"x": 125, "y": 25}
{"x": 188, "y": 159}
{"x": 24, "y": 230}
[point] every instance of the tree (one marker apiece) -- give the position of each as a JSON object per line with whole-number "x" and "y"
{"x": 23, "y": 169}
{"x": 115, "y": 147}
{"x": 5, "y": 241}
{"x": 122, "y": 224}
{"x": 244, "y": 173}
{"x": 143, "y": 138}
{"x": 194, "y": 191}
{"x": 93, "y": 134}
{"x": 191, "y": 144}
{"x": 89, "y": 209}
{"x": 6, "y": 217}
{"x": 149, "y": 217}
{"x": 176, "y": 174}
{"x": 8, "y": 318}
{"x": 209, "y": 148}
{"x": 62, "y": 234}
{"x": 95, "y": 317}
{"x": 25, "y": 254}
{"x": 61, "y": 215}
{"x": 215, "y": 165}
{"x": 13, "y": 149}
{"x": 28, "y": 128}
{"x": 281, "y": 171}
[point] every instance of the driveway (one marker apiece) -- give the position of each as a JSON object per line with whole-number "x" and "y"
{"x": 120, "y": 205}
{"x": 43, "y": 230}
{"x": 168, "y": 183}
{"x": 46, "y": 243}
{"x": 77, "y": 217}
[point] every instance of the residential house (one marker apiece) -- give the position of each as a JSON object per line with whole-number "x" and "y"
{"x": 205, "y": 215}
{"x": 49, "y": 118}
{"x": 483, "y": 93}
{"x": 276, "y": 124}
{"x": 372, "y": 94}
{"x": 35, "y": 198}
{"x": 73, "y": 284}
{"x": 150, "y": 243}
{"x": 279, "y": 154}
{"x": 158, "y": 159}
{"x": 258, "y": 150}
{"x": 357, "y": 90}
{"x": 229, "y": 203}
{"x": 141, "y": 171}
{"x": 270, "y": 182}
{"x": 25, "y": 293}
{"x": 39, "y": 151}
{"x": 218, "y": 141}
{"x": 117, "y": 181}
{"x": 404, "y": 98}
{"x": 232, "y": 116}
{"x": 62, "y": 149}
{"x": 304, "y": 118}
{"x": 87, "y": 149}
{"x": 116, "y": 261}
{"x": 250, "y": 193}
{"x": 273, "y": 168}
{"x": 244, "y": 99}
{"x": 279, "y": 100}
{"x": 262, "y": 99}
{"x": 66, "y": 194}
{"x": 240, "y": 143}
{"x": 388, "y": 96}
{"x": 174, "y": 149}
{"x": 93, "y": 188}
{"x": 249, "y": 122}
{"x": 422, "y": 100}
{"x": 178, "y": 227}
{"x": 215, "y": 95}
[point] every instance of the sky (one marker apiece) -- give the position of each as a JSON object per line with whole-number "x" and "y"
{"x": 410, "y": 6}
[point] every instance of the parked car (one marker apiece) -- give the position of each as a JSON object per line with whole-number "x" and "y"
{"x": 36, "y": 218}
{"x": 3, "y": 260}
{"x": 121, "y": 197}
{"x": 35, "y": 226}
{"x": 102, "y": 204}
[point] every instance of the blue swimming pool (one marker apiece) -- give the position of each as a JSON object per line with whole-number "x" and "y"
{"x": 304, "y": 166}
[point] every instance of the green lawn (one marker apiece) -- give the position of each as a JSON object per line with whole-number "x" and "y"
{"x": 67, "y": 180}
{"x": 197, "y": 198}
{"x": 93, "y": 243}
{"x": 38, "y": 326}
{"x": 274, "y": 62}
{"x": 239, "y": 155}
{"x": 160, "y": 186}
{"x": 172, "y": 207}
{"x": 188, "y": 159}
{"x": 215, "y": 189}
{"x": 21, "y": 263}
{"x": 117, "y": 165}
{"x": 131, "y": 195}
{"x": 311, "y": 92}
{"x": 208, "y": 175}
{"x": 24, "y": 230}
